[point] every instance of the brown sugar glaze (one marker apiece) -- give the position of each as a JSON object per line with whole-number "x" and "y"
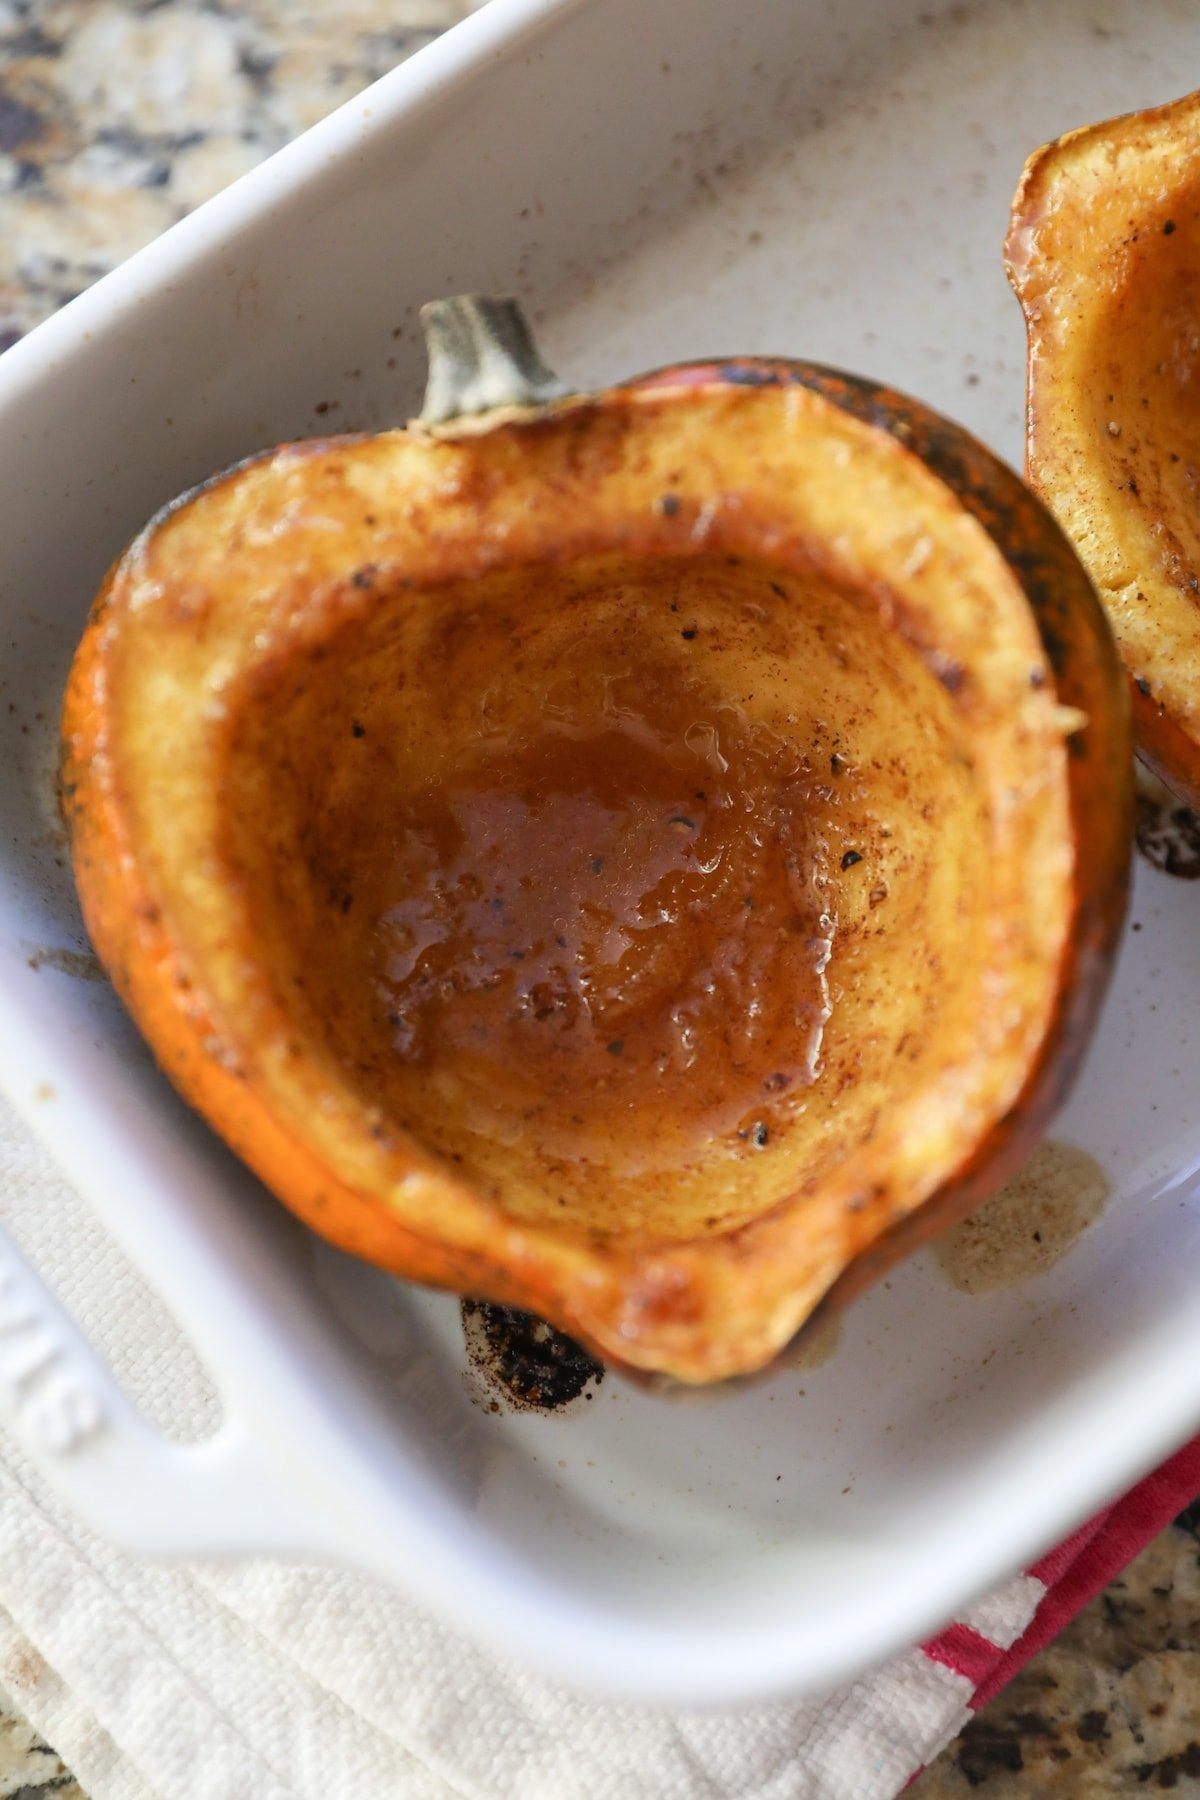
{"x": 612, "y": 906}
{"x": 562, "y": 865}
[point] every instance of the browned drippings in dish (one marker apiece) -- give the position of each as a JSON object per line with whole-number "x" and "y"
{"x": 1027, "y": 1225}
{"x": 79, "y": 963}
{"x": 524, "y": 1361}
{"x": 817, "y": 1345}
{"x": 1168, "y": 833}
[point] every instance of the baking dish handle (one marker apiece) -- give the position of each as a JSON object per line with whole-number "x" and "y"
{"x": 62, "y": 1404}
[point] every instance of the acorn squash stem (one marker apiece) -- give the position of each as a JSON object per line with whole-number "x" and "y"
{"x": 481, "y": 356}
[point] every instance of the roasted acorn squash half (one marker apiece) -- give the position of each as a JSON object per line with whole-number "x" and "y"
{"x": 1104, "y": 254}
{"x": 646, "y": 857}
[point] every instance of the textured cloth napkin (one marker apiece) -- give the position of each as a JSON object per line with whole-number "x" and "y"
{"x": 265, "y": 1681}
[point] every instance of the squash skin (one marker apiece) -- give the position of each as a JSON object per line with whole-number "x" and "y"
{"x": 1099, "y": 253}
{"x": 644, "y": 1313}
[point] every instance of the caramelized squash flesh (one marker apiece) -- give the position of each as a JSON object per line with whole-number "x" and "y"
{"x": 621, "y": 886}
{"x": 1104, "y": 253}
{"x": 628, "y": 862}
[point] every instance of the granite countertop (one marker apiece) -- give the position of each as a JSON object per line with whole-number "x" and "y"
{"x": 1112, "y": 1706}
{"x": 117, "y": 117}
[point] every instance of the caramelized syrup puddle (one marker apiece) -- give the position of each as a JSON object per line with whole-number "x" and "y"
{"x": 613, "y": 911}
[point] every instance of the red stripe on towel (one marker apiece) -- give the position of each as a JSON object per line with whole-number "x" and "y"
{"x": 965, "y": 1651}
{"x": 1090, "y": 1559}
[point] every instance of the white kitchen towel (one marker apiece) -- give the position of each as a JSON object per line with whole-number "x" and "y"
{"x": 263, "y": 1681}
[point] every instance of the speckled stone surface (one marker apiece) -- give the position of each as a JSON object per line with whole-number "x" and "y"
{"x": 1111, "y": 1707}
{"x": 29, "y": 1769}
{"x": 119, "y": 116}
{"x": 116, "y": 118}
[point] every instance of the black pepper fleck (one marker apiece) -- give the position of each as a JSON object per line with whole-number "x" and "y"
{"x": 951, "y": 674}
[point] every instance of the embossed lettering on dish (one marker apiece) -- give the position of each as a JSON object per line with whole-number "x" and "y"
{"x": 51, "y": 1398}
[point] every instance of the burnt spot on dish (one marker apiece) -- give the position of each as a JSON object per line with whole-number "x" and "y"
{"x": 524, "y": 1362}
{"x": 1167, "y": 832}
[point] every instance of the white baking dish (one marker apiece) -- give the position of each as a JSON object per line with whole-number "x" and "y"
{"x": 658, "y": 179}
